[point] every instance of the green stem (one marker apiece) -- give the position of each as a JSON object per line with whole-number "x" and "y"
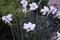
{"x": 39, "y": 2}
{"x": 36, "y": 26}
{"x": 29, "y": 36}
{"x": 21, "y": 29}
{"x": 12, "y": 31}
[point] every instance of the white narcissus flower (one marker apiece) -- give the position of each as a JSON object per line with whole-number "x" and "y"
{"x": 53, "y": 9}
{"x": 58, "y": 36}
{"x": 24, "y": 4}
{"x": 7, "y": 18}
{"x": 29, "y": 26}
{"x": 58, "y": 14}
{"x": 45, "y": 10}
{"x": 33, "y": 6}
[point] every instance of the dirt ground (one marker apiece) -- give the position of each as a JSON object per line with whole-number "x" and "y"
{"x": 56, "y": 3}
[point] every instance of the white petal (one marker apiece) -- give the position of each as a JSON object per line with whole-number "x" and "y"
{"x": 52, "y": 7}
{"x": 25, "y": 26}
{"x": 24, "y": 2}
{"x": 7, "y": 21}
{"x": 43, "y": 13}
{"x": 46, "y": 8}
{"x": 28, "y": 30}
{"x": 58, "y": 38}
{"x": 30, "y": 5}
{"x": 32, "y": 28}
{"x": 10, "y": 19}
{"x": 42, "y": 10}
{"x": 33, "y": 25}
{"x": 9, "y": 15}
{"x": 31, "y": 8}
{"x": 33, "y": 3}
{"x": 29, "y": 23}
{"x": 54, "y": 11}
{"x": 3, "y": 18}
{"x": 58, "y": 34}
{"x": 58, "y": 14}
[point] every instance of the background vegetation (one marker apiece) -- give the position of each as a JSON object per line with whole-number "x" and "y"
{"x": 41, "y": 32}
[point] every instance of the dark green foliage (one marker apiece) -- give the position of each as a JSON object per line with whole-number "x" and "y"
{"x": 44, "y": 3}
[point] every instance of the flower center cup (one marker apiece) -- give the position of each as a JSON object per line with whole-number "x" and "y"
{"x": 33, "y": 6}
{"x": 29, "y": 28}
{"x": 46, "y": 10}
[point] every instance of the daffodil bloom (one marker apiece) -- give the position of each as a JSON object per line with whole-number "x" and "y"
{"x": 58, "y": 36}
{"x": 33, "y": 6}
{"x": 53, "y": 9}
{"x": 24, "y": 4}
{"x": 29, "y": 26}
{"x": 45, "y": 10}
{"x": 58, "y": 14}
{"x": 7, "y": 18}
